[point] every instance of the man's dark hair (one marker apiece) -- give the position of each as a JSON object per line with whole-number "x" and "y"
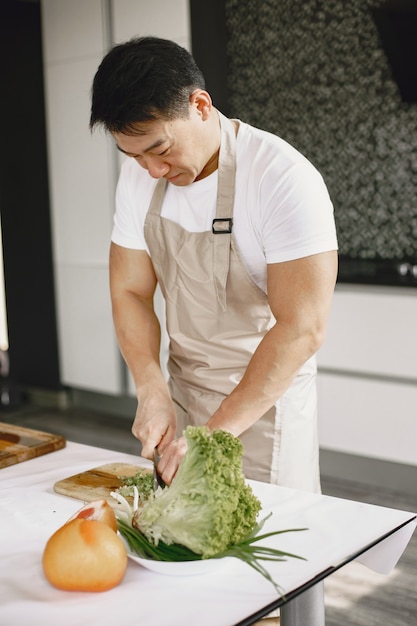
{"x": 141, "y": 80}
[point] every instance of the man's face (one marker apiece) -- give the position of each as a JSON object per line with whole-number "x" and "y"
{"x": 173, "y": 149}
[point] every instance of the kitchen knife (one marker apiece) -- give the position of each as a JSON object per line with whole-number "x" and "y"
{"x": 157, "y": 478}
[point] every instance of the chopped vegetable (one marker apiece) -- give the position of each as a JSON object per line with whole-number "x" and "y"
{"x": 143, "y": 480}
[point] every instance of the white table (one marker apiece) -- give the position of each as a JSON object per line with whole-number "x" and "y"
{"x": 339, "y": 531}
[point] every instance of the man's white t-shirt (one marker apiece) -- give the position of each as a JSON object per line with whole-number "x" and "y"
{"x": 282, "y": 210}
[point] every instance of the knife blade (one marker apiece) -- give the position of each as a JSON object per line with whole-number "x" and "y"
{"x": 157, "y": 478}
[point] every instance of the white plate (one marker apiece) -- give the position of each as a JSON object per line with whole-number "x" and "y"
{"x": 180, "y": 568}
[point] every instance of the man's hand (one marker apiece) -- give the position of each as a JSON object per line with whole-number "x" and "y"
{"x": 155, "y": 421}
{"x": 171, "y": 458}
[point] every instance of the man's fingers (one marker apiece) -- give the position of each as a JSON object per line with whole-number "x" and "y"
{"x": 166, "y": 439}
{"x": 171, "y": 459}
{"x": 147, "y": 450}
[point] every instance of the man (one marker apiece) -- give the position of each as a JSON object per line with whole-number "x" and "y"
{"x": 237, "y": 228}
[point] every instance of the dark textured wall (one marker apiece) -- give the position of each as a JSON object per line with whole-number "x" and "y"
{"x": 315, "y": 73}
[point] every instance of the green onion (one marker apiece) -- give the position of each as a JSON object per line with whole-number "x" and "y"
{"x": 251, "y": 554}
{"x": 147, "y": 550}
{"x": 245, "y": 550}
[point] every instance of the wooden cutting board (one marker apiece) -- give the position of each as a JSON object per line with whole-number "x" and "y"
{"x": 96, "y": 483}
{"x": 19, "y": 444}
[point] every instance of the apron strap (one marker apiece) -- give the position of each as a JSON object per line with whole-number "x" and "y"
{"x": 157, "y": 199}
{"x": 223, "y": 223}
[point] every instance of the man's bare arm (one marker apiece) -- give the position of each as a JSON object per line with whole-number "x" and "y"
{"x": 300, "y": 294}
{"x": 132, "y": 287}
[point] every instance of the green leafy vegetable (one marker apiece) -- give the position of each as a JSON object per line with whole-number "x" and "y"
{"x": 209, "y": 510}
{"x": 209, "y": 506}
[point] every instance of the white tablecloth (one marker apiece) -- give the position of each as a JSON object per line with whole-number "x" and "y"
{"x": 30, "y": 512}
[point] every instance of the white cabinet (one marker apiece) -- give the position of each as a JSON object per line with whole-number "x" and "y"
{"x": 90, "y": 356}
{"x": 373, "y": 330}
{"x": 81, "y": 175}
{"x": 131, "y": 18}
{"x": 82, "y": 178}
{"x": 159, "y": 18}
{"x": 83, "y": 170}
{"x": 71, "y": 30}
{"x": 368, "y": 374}
{"x": 368, "y": 417}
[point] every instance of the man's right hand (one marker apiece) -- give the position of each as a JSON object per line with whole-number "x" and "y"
{"x": 155, "y": 421}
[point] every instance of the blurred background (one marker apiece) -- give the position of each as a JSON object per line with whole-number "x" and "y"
{"x": 335, "y": 79}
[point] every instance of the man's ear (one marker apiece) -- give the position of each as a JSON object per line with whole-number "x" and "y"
{"x": 201, "y": 100}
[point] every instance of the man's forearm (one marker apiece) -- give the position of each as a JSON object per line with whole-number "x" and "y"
{"x": 138, "y": 334}
{"x": 300, "y": 294}
{"x": 270, "y": 372}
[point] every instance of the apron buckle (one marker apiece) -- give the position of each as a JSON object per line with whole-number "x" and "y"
{"x": 223, "y": 225}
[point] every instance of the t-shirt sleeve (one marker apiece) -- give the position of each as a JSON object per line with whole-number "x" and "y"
{"x": 131, "y": 206}
{"x": 298, "y": 219}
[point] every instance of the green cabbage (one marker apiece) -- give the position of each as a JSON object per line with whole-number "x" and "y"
{"x": 209, "y": 506}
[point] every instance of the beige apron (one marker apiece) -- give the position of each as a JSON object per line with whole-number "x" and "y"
{"x": 216, "y": 316}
